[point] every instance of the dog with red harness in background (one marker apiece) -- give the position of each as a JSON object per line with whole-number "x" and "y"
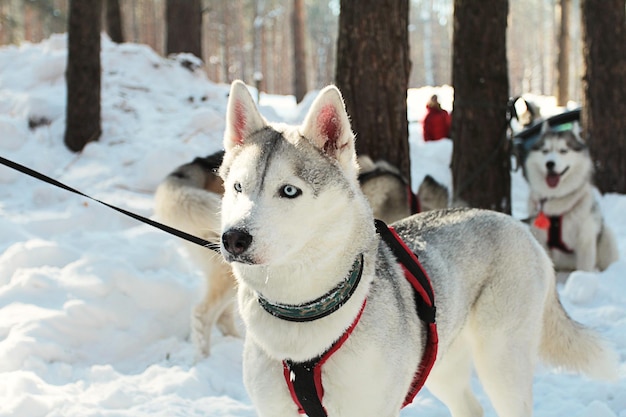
{"x": 564, "y": 206}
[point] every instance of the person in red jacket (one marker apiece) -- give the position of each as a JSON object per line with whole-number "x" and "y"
{"x": 436, "y": 122}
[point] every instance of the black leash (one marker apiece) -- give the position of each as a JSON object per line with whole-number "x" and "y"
{"x": 179, "y": 233}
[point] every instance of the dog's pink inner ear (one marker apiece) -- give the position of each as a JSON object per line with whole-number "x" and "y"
{"x": 239, "y": 122}
{"x": 329, "y": 127}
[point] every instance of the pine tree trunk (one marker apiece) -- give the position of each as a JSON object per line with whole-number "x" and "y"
{"x": 184, "y": 27}
{"x": 299, "y": 50}
{"x": 372, "y": 72}
{"x": 258, "y": 46}
{"x": 114, "y": 20}
{"x": 604, "y": 89}
{"x": 83, "y": 123}
{"x": 480, "y": 159}
{"x": 563, "y": 58}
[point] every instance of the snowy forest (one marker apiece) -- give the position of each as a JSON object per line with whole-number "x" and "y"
{"x": 231, "y": 29}
{"x": 487, "y": 51}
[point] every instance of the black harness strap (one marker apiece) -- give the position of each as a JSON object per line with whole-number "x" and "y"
{"x": 425, "y": 309}
{"x": 179, "y": 233}
{"x": 304, "y": 387}
{"x": 304, "y": 379}
{"x": 555, "y": 238}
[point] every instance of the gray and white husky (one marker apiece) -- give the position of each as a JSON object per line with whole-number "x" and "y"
{"x": 563, "y": 204}
{"x": 319, "y": 291}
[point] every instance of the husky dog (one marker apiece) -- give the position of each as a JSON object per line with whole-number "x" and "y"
{"x": 434, "y": 196}
{"x": 563, "y": 204}
{"x": 386, "y": 189}
{"x": 389, "y": 194}
{"x": 319, "y": 291}
{"x": 189, "y": 199}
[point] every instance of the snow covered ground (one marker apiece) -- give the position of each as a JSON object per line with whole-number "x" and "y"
{"x": 95, "y": 307}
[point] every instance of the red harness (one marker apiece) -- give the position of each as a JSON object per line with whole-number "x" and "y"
{"x": 555, "y": 238}
{"x": 552, "y": 225}
{"x": 304, "y": 379}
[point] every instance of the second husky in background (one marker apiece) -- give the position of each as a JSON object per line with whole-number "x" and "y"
{"x": 564, "y": 206}
{"x": 386, "y": 190}
{"x": 389, "y": 194}
{"x": 189, "y": 199}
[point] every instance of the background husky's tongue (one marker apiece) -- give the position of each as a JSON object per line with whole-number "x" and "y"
{"x": 553, "y": 180}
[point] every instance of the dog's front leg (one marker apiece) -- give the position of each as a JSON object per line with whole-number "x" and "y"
{"x": 265, "y": 383}
{"x": 586, "y": 249}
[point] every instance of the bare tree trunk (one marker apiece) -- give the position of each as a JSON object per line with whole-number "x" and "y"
{"x": 604, "y": 86}
{"x": 240, "y": 60}
{"x": 83, "y": 123}
{"x": 134, "y": 20}
{"x": 427, "y": 26}
{"x": 114, "y": 20}
{"x": 372, "y": 72}
{"x": 258, "y": 45}
{"x": 16, "y": 21}
{"x": 225, "y": 42}
{"x": 282, "y": 61}
{"x": 299, "y": 50}
{"x": 480, "y": 159}
{"x": 184, "y": 27}
{"x": 563, "y": 58}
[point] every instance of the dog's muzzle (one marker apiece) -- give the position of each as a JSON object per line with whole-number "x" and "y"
{"x": 235, "y": 242}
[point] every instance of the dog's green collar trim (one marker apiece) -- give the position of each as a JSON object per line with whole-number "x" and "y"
{"x": 322, "y": 306}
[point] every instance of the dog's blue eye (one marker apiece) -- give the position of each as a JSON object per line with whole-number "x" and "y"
{"x": 563, "y": 151}
{"x": 290, "y": 191}
{"x": 237, "y": 187}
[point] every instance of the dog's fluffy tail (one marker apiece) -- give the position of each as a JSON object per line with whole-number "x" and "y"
{"x": 566, "y": 343}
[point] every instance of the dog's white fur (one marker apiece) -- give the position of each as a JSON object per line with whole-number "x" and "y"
{"x": 583, "y": 227}
{"x": 293, "y": 221}
{"x": 189, "y": 199}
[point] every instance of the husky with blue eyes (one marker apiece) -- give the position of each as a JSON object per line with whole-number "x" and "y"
{"x": 564, "y": 206}
{"x": 348, "y": 317}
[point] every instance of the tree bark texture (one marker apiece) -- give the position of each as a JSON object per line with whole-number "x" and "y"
{"x": 604, "y": 90}
{"x": 481, "y": 157}
{"x": 83, "y": 123}
{"x": 299, "y": 50}
{"x": 184, "y": 27}
{"x": 372, "y": 72}
{"x": 563, "y": 57}
{"x": 114, "y": 20}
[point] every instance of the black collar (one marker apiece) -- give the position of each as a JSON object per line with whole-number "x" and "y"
{"x": 322, "y": 306}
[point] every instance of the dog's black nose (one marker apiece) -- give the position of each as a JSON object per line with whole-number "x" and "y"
{"x": 550, "y": 165}
{"x": 236, "y": 241}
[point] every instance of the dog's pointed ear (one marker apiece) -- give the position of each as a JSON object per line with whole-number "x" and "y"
{"x": 579, "y": 133}
{"x": 327, "y": 126}
{"x": 242, "y": 116}
{"x": 579, "y": 142}
{"x": 545, "y": 127}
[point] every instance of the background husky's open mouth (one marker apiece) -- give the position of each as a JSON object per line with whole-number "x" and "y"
{"x": 553, "y": 178}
